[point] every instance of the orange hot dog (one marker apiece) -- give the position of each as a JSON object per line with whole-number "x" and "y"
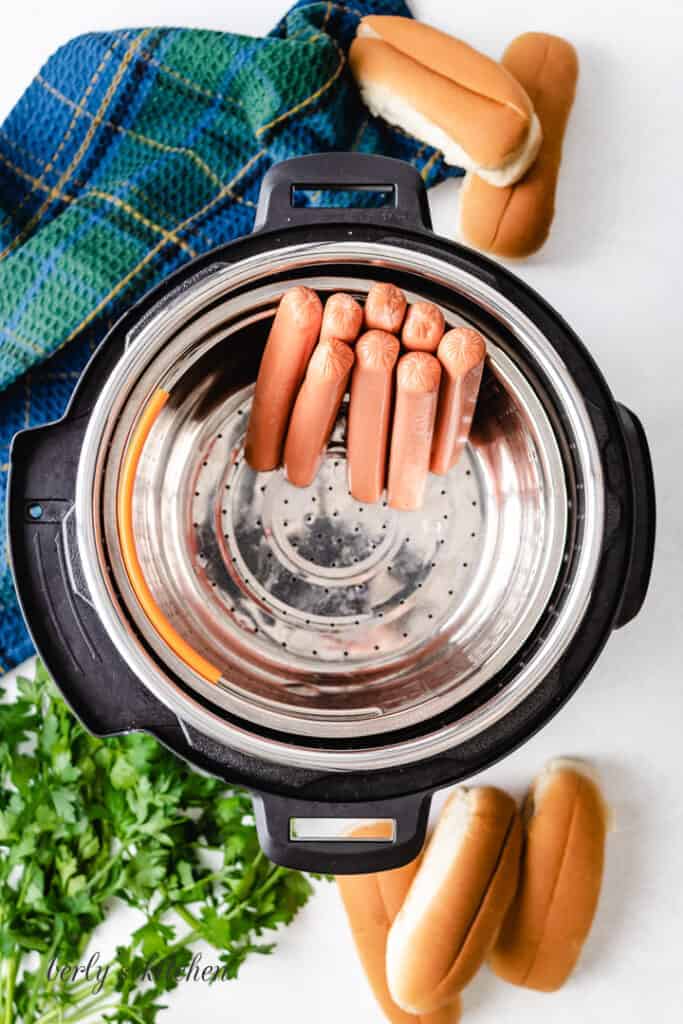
{"x": 417, "y": 392}
{"x": 385, "y": 307}
{"x": 315, "y": 409}
{"x": 372, "y": 388}
{"x": 291, "y": 340}
{"x": 461, "y": 352}
{"x": 423, "y": 327}
{"x": 342, "y": 318}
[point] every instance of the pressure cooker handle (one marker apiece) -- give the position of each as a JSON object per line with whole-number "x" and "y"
{"x": 643, "y": 502}
{"x": 360, "y": 173}
{"x": 292, "y": 833}
{"x": 65, "y": 627}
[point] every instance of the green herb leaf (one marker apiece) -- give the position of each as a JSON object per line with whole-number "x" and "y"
{"x": 85, "y": 820}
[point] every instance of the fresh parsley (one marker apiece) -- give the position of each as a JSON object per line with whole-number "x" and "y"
{"x": 85, "y": 821}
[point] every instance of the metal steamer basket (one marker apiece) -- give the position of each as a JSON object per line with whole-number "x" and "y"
{"x": 340, "y": 660}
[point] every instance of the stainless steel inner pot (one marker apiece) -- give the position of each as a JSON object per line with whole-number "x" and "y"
{"x": 336, "y": 625}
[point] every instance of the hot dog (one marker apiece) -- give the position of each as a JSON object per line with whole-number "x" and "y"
{"x": 461, "y": 353}
{"x": 417, "y": 392}
{"x": 283, "y": 364}
{"x": 372, "y": 387}
{"x": 385, "y": 307}
{"x": 423, "y": 327}
{"x": 342, "y": 318}
{"x": 316, "y": 408}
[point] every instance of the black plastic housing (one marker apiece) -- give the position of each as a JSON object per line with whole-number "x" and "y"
{"x": 109, "y": 699}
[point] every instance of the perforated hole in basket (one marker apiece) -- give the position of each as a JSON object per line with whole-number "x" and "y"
{"x": 312, "y": 571}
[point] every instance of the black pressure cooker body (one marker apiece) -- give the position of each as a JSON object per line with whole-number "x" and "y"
{"x": 443, "y": 642}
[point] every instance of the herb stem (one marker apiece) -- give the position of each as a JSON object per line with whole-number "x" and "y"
{"x": 75, "y": 991}
{"x": 87, "y": 1010}
{"x": 107, "y": 866}
{"x": 11, "y": 979}
{"x": 89, "y": 821}
{"x": 271, "y": 879}
{"x": 74, "y": 994}
{"x": 50, "y": 1015}
{"x": 43, "y": 967}
{"x": 202, "y": 881}
{"x": 188, "y": 917}
{"x": 275, "y": 873}
{"x": 41, "y": 974}
{"x": 176, "y": 947}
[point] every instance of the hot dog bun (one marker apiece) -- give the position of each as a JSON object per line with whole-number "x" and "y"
{"x": 457, "y": 901}
{"x": 562, "y": 862}
{"x": 515, "y": 221}
{"x": 371, "y": 903}
{"x": 447, "y": 94}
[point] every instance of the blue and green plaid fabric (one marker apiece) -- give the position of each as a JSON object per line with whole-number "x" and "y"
{"x": 130, "y": 153}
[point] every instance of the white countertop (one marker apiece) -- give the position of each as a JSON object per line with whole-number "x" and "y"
{"x": 613, "y": 268}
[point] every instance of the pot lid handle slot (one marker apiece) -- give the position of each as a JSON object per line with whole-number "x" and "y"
{"x": 350, "y": 178}
{"x": 279, "y": 823}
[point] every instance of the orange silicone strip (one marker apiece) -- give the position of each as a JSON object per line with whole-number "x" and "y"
{"x": 124, "y": 516}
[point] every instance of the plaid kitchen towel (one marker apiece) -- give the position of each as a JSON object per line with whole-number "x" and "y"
{"x": 130, "y": 153}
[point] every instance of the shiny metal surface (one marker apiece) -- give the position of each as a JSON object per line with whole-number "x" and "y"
{"x": 330, "y": 619}
{"x": 334, "y": 618}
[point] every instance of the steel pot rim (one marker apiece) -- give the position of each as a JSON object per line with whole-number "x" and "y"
{"x": 216, "y": 280}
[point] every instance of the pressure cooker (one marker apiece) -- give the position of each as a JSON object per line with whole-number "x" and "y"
{"x": 341, "y": 661}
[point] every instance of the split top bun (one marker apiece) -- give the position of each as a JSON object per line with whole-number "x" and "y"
{"x": 566, "y": 821}
{"x": 456, "y": 903}
{"x": 372, "y": 903}
{"x": 515, "y": 221}
{"x": 448, "y": 94}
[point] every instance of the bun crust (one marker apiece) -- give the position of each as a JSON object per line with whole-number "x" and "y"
{"x": 562, "y": 865}
{"x": 371, "y": 903}
{"x": 446, "y": 93}
{"x": 450, "y": 57}
{"x": 457, "y": 901}
{"x": 515, "y": 221}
